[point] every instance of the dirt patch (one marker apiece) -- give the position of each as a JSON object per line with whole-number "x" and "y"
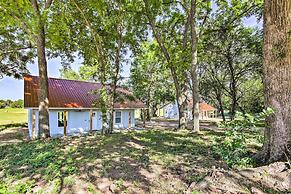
{"x": 13, "y": 135}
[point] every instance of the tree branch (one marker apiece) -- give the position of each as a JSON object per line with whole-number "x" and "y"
{"x": 17, "y": 49}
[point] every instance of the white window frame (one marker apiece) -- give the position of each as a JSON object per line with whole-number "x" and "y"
{"x": 116, "y": 117}
{"x": 63, "y": 113}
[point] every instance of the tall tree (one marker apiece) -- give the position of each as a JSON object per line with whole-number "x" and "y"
{"x": 277, "y": 79}
{"x": 230, "y": 55}
{"x": 30, "y": 19}
{"x": 40, "y": 13}
{"x": 172, "y": 46}
{"x": 150, "y": 79}
{"x": 193, "y": 68}
{"x": 104, "y": 33}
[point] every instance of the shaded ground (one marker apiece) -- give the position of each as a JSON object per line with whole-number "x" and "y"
{"x": 162, "y": 123}
{"x": 13, "y": 133}
{"x": 147, "y": 161}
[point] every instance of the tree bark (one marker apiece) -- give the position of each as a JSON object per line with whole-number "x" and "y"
{"x": 194, "y": 76}
{"x": 147, "y": 111}
{"x": 277, "y": 79}
{"x": 233, "y": 84}
{"x": 221, "y": 109}
{"x": 115, "y": 79}
{"x": 43, "y": 123}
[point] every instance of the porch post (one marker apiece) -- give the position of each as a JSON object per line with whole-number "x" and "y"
{"x": 65, "y": 123}
{"x": 91, "y": 122}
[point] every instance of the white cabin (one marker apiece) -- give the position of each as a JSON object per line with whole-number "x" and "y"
{"x": 71, "y": 109}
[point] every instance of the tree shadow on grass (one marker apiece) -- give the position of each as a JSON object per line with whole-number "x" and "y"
{"x": 12, "y": 125}
{"x": 118, "y": 162}
{"x": 108, "y": 161}
{"x": 190, "y": 157}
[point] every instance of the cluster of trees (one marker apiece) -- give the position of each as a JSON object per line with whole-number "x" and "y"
{"x": 178, "y": 50}
{"x": 11, "y": 104}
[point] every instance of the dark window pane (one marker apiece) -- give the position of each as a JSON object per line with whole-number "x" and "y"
{"x": 117, "y": 120}
{"x": 60, "y": 119}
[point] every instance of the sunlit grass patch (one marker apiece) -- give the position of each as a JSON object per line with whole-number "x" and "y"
{"x": 12, "y": 116}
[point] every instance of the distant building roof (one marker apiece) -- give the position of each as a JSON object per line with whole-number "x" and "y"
{"x": 205, "y": 107}
{"x": 71, "y": 94}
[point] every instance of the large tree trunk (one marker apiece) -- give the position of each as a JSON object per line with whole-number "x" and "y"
{"x": 277, "y": 78}
{"x": 182, "y": 109}
{"x": 194, "y": 76}
{"x": 43, "y": 124}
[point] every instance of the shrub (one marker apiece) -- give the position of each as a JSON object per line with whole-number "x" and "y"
{"x": 248, "y": 121}
{"x": 232, "y": 146}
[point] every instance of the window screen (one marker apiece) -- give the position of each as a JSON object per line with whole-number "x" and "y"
{"x": 118, "y": 117}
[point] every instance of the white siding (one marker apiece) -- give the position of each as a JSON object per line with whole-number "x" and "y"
{"x": 54, "y": 129}
{"x": 97, "y": 121}
{"x": 78, "y": 121}
{"x": 30, "y": 121}
{"x": 29, "y": 116}
{"x": 124, "y": 119}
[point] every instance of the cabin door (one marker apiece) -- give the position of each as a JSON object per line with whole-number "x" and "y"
{"x": 96, "y": 120}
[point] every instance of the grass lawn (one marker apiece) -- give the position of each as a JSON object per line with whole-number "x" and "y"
{"x": 12, "y": 116}
{"x": 149, "y": 161}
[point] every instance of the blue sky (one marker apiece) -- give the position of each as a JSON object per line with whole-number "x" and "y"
{"x": 11, "y": 88}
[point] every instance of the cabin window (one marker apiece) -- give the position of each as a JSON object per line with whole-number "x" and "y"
{"x": 61, "y": 117}
{"x": 117, "y": 117}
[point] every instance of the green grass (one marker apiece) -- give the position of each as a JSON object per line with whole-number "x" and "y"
{"x": 12, "y": 116}
{"x": 151, "y": 161}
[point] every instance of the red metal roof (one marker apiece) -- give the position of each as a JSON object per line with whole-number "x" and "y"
{"x": 203, "y": 106}
{"x": 70, "y": 94}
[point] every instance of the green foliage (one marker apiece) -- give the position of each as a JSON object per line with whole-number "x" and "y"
{"x": 68, "y": 73}
{"x": 19, "y": 26}
{"x": 17, "y": 104}
{"x": 231, "y": 58}
{"x": 232, "y": 147}
{"x": 11, "y": 104}
{"x": 19, "y": 187}
{"x": 252, "y": 100}
{"x": 5, "y": 103}
{"x": 248, "y": 121}
{"x": 150, "y": 80}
